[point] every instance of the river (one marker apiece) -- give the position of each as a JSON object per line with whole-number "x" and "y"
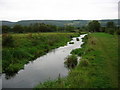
{"x": 46, "y": 67}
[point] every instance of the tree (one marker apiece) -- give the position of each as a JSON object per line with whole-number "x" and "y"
{"x": 6, "y": 29}
{"x": 62, "y": 29}
{"x": 18, "y": 29}
{"x": 110, "y": 30}
{"x": 103, "y": 29}
{"x": 84, "y": 28}
{"x": 26, "y": 29}
{"x": 118, "y": 31}
{"x": 69, "y": 28}
{"x": 110, "y": 25}
{"x": 94, "y": 26}
{"x": 36, "y": 27}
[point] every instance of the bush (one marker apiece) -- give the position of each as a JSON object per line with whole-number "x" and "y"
{"x": 118, "y": 32}
{"x": 71, "y": 61}
{"x": 110, "y": 30}
{"x": 7, "y": 40}
{"x": 84, "y": 62}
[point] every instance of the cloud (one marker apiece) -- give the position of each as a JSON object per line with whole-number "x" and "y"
{"x": 15, "y": 10}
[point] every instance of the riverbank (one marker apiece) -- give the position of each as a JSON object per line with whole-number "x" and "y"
{"x": 19, "y": 49}
{"x": 98, "y": 67}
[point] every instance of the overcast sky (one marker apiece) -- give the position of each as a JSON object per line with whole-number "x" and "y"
{"x": 15, "y": 10}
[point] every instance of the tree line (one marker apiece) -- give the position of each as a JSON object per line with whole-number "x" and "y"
{"x": 93, "y": 26}
{"x": 37, "y": 27}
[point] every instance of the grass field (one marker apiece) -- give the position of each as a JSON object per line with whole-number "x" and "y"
{"x": 98, "y": 67}
{"x": 19, "y": 49}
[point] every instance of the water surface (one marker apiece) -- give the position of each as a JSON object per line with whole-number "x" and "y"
{"x": 43, "y": 68}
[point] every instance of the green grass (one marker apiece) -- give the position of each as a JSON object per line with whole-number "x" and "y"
{"x": 98, "y": 67}
{"x": 27, "y": 47}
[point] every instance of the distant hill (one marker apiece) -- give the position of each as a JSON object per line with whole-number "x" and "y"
{"x": 76, "y": 23}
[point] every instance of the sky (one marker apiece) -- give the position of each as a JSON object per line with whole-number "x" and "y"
{"x": 16, "y": 10}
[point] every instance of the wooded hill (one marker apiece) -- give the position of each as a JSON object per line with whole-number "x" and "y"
{"x": 76, "y": 23}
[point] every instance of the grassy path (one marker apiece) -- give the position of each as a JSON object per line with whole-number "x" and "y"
{"x": 100, "y": 54}
{"x": 108, "y": 46}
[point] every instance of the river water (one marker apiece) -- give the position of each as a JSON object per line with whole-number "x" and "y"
{"x": 46, "y": 67}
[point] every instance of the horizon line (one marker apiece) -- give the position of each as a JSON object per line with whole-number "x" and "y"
{"x": 57, "y": 20}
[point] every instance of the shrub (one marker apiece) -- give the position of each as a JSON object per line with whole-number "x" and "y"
{"x": 110, "y": 30}
{"x": 118, "y": 32}
{"x": 71, "y": 61}
{"x": 14, "y": 68}
{"x": 7, "y": 40}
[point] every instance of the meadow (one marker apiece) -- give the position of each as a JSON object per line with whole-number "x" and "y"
{"x": 98, "y": 67}
{"x": 19, "y": 49}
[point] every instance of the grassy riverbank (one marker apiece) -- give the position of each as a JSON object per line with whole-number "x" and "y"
{"x": 98, "y": 67}
{"x": 19, "y": 49}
